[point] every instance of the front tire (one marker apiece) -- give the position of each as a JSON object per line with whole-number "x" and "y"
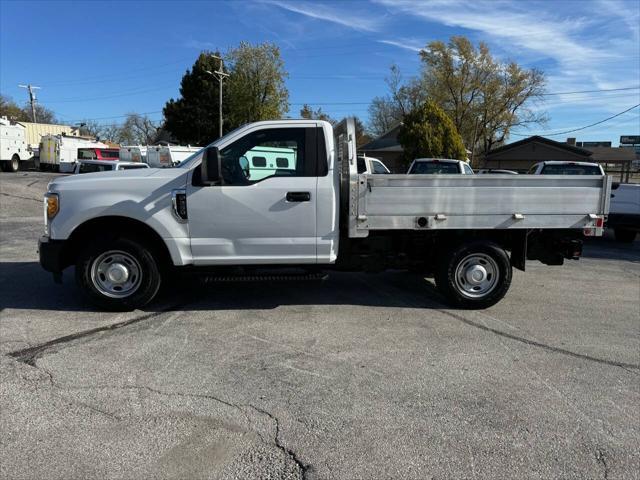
{"x": 121, "y": 275}
{"x": 475, "y": 275}
{"x": 11, "y": 165}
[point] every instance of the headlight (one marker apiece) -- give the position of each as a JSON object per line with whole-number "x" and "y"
{"x": 51, "y": 205}
{"x": 51, "y": 209}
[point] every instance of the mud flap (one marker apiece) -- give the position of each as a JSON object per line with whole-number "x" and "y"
{"x": 519, "y": 249}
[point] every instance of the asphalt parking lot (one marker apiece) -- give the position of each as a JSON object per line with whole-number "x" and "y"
{"x": 358, "y": 376}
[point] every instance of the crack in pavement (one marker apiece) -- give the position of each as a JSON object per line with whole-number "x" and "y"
{"x": 533, "y": 343}
{"x": 31, "y": 354}
{"x": 602, "y": 459}
{"x": 304, "y": 468}
{"x": 630, "y": 367}
{"x": 20, "y": 197}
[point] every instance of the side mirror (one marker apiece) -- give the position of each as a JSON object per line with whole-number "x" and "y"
{"x": 210, "y": 166}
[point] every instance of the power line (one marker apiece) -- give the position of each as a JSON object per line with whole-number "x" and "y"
{"x": 581, "y": 128}
{"x": 591, "y": 91}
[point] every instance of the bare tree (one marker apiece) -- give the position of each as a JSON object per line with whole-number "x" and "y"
{"x": 138, "y": 129}
{"x": 385, "y": 112}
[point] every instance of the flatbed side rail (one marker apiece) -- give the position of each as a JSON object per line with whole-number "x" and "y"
{"x": 413, "y": 202}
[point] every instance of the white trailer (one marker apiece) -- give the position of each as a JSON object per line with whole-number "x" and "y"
{"x": 60, "y": 153}
{"x": 133, "y": 153}
{"x": 13, "y": 146}
{"x": 168, "y": 156}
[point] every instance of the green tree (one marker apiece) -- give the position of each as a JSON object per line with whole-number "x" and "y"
{"x": 427, "y": 131}
{"x": 256, "y": 85}
{"x": 484, "y": 97}
{"x": 193, "y": 118}
{"x": 11, "y": 110}
{"x": 255, "y": 90}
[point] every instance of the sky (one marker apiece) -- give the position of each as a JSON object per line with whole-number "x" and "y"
{"x": 100, "y": 60}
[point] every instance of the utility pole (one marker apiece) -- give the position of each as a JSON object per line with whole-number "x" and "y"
{"x": 32, "y": 99}
{"x": 220, "y": 75}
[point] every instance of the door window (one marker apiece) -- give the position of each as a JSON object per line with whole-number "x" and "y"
{"x": 278, "y": 152}
{"x": 467, "y": 169}
{"x": 378, "y": 167}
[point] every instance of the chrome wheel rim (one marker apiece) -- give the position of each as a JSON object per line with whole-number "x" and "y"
{"x": 116, "y": 274}
{"x": 476, "y": 275}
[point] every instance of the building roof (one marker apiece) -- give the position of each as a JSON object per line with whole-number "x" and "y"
{"x": 611, "y": 154}
{"x": 387, "y": 142}
{"x": 539, "y": 139}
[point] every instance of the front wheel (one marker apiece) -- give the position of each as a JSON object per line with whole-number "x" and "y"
{"x": 120, "y": 276}
{"x": 11, "y": 165}
{"x": 475, "y": 275}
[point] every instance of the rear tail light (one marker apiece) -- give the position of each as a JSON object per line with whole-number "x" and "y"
{"x": 594, "y": 227}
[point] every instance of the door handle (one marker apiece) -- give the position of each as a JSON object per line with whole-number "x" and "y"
{"x": 298, "y": 196}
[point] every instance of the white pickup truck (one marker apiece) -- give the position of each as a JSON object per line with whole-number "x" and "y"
{"x": 126, "y": 231}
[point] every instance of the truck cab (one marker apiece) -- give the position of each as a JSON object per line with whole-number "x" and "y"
{"x": 373, "y": 166}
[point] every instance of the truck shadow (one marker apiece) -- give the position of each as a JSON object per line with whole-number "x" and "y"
{"x": 608, "y": 248}
{"x": 25, "y": 286}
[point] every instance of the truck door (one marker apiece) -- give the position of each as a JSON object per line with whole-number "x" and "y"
{"x": 252, "y": 218}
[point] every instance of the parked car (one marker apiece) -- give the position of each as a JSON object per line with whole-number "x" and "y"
{"x": 439, "y": 166}
{"x": 624, "y": 211}
{"x": 127, "y": 232}
{"x": 91, "y": 166}
{"x": 371, "y": 165}
{"x": 555, "y": 167}
{"x": 496, "y": 171}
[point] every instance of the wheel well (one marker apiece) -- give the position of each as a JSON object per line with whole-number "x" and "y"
{"x": 112, "y": 227}
{"x": 15, "y": 155}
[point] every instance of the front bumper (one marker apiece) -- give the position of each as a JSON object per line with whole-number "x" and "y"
{"x": 51, "y": 254}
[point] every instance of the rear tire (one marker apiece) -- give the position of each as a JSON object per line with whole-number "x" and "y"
{"x": 474, "y": 275}
{"x": 625, "y": 236}
{"x": 120, "y": 275}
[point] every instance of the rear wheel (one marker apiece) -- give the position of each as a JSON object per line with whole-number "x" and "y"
{"x": 625, "y": 236}
{"x": 475, "y": 275}
{"x": 120, "y": 276}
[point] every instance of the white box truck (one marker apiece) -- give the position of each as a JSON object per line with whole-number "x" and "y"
{"x": 133, "y": 153}
{"x": 13, "y": 145}
{"x": 168, "y": 156}
{"x": 127, "y": 231}
{"x": 60, "y": 153}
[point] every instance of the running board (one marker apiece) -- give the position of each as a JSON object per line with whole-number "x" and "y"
{"x": 265, "y": 278}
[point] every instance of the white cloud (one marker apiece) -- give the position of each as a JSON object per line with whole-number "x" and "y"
{"x": 199, "y": 44}
{"x": 585, "y": 50}
{"x": 407, "y": 44}
{"x": 318, "y": 11}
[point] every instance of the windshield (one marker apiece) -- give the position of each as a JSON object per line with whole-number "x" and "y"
{"x": 571, "y": 169}
{"x": 431, "y": 168}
